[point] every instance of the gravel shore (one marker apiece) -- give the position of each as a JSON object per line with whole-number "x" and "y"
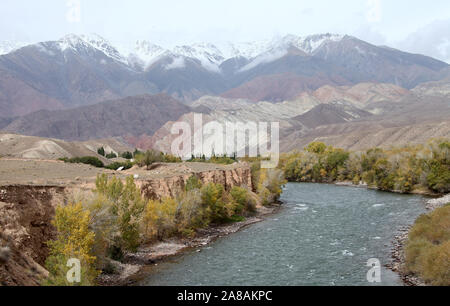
{"x": 436, "y": 203}
{"x": 398, "y": 259}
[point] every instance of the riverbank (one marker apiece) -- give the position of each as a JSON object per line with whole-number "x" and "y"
{"x": 398, "y": 259}
{"x": 364, "y": 185}
{"x": 399, "y": 246}
{"x": 137, "y": 265}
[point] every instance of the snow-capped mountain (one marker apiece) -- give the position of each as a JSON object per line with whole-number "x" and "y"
{"x": 85, "y": 42}
{"x": 86, "y": 69}
{"x": 247, "y": 50}
{"x": 143, "y": 54}
{"x": 310, "y": 44}
{"x": 212, "y": 56}
{"x": 208, "y": 54}
{"x": 10, "y": 46}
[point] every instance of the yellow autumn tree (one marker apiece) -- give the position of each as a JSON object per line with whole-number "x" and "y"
{"x": 127, "y": 205}
{"x": 74, "y": 240}
{"x": 160, "y": 218}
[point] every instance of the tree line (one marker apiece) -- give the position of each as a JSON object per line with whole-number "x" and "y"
{"x": 418, "y": 168}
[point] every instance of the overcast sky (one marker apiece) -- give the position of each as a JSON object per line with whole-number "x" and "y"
{"x": 412, "y": 25}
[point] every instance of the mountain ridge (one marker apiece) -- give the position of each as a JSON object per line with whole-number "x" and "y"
{"x": 84, "y": 70}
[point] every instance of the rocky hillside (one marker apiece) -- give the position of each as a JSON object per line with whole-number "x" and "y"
{"x": 129, "y": 116}
{"x": 325, "y": 114}
{"x": 412, "y": 120}
{"x": 28, "y": 147}
{"x": 354, "y": 117}
{"x": 326, "y": 105}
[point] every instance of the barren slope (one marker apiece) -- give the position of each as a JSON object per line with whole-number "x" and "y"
{"x": 29, "y": 147}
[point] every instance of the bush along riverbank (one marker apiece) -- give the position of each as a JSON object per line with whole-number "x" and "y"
{"x": 422, "y": 252}
{"x": 427, "y": 251}
{"x": 421, "y": 169}
{"x": 115, "y": 232}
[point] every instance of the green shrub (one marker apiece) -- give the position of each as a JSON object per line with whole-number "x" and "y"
{"x": 111, "y": 155}
{"x": 212, "y": 199}
{"x": 428, "y": 248}
{"x": 240, "y": 196}
{"x": 88, "y": 160}
{"x": 160, "y": 218}
{"x": 193, "y": 183}
{"x": 237, "y": 218}
{"x": 127, "y": 155}
{"x": 255, "y": 168}
{"x": 316, "y": 147}
{"x": 127, "y": 206}
{"x": 192, "y": 214}
{"x": 439, "y": 177}
{"x": 137, "y": 152}
{"x": 168, "y": 158}
{"x": 436, "y": 265}
{"x": 414, "y": 249}
{"x": 116, "y": 165}
{"x": 101, "y": 151}
{"x": 148, "y": 158}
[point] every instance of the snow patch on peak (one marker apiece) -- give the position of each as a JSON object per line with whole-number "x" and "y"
{"x": 144, "y": 53}
{"x": 80, "y": 42}
{"x": 310, "y": 44}
{"x": 147, "y": 49}
{"x": 10, "y": 46}
{"x": 208, "y": 54}
{"x": 247, "y": 50}
{"x": 266, "y": 52}
{"x": 70, "y": 41}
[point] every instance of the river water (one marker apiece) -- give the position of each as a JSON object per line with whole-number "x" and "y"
{"x": 324, "y": 235}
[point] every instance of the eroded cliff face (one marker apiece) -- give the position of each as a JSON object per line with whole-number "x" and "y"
{"x": 172, "y": 186}
{"x": 25, "y": 227}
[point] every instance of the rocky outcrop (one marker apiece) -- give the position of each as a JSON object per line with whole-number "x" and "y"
{"x": 172, "y": 186}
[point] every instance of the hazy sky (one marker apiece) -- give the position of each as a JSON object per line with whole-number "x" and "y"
{"x": 412, "y": 25}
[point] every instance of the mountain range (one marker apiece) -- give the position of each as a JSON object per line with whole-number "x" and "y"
{"x": 332, "y": 88}
{"x": 84, "y": 70}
